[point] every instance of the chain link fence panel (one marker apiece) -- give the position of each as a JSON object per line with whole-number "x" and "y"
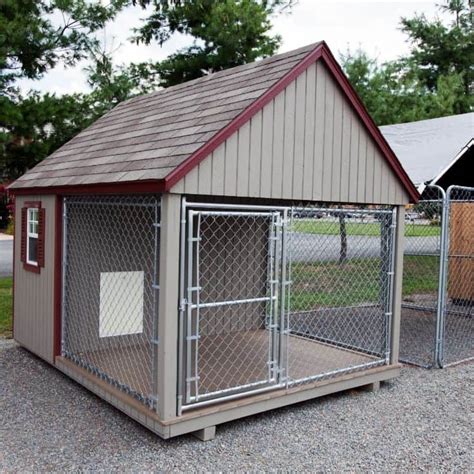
{"x": 283, "y": 296}
{"x": 458, "y": 325}
{"x": 421, "y": 273}
{"x": 339, "y": 300}
{"x": 110, "y": 289}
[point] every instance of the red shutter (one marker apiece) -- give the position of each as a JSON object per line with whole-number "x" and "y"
{"x": 23, "y": 230}
{"x": 41, "y": 223}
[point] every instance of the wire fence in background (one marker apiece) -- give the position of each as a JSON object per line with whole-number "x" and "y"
{"x": 438, "y": 280}
{"x": 421, "y": 274}
{"x": 110, "y": 289}
{"x": 457, "y": 327}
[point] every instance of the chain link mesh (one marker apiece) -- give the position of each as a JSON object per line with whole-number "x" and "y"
{"x": 231, "y": 301}
{"x": 421, "y": 269}
{"x": 438, "y": 280}
{"x": 458, "y": 328}
{"x": 110, "y": 289}
{"x": 339, "y": 300}
{"x": 247, "y": 326}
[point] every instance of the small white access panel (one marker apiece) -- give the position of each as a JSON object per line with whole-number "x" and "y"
{"x": 121, "y": 303}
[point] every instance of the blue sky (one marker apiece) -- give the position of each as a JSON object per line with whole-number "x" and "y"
{"x": 372, "y": 25}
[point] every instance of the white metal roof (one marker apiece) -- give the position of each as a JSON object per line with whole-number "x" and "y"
{"x": 428, "y": 148}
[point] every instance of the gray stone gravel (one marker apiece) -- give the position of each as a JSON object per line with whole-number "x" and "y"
{"x": 423, "y": 421}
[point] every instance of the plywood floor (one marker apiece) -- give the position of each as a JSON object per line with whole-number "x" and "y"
{"x": 229, "y": 360}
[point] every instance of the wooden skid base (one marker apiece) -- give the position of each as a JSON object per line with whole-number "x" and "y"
{"x": 202, "y": 421}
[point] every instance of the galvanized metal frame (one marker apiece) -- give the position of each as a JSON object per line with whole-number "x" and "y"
{"x": 443, "y": 313}
{"x": 442, "y": 310}
{"x": 388, "y": 301}
{"x": 189, "y": 301}
{"x": 194, "y": 305}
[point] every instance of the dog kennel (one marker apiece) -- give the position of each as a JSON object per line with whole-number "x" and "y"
{"x": 217, "y": 249}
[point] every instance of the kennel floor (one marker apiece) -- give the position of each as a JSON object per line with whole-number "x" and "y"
{"x": 228, "y": 361}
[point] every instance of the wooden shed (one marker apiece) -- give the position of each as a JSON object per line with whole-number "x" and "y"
{"x": 196, "y": 255}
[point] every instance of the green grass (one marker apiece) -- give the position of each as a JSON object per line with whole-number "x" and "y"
{"x": 313, "y": 226}
{"x": 330, "y": 284}
{"x": 6, "y": 306}
{"x": 420, "y": 275}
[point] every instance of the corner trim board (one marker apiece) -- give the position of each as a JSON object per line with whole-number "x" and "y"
{"x": 57, "y": 289}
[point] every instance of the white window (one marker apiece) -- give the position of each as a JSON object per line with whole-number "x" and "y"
{"x": 32, "y": 237}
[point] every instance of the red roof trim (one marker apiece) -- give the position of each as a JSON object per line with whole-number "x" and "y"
{"x": 131, "y": 187}
{"x": 321, "y": 51}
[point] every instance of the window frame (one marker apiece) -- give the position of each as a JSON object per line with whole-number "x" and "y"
{"x": 28, "y": 265}
{"x": 33, "y": 235}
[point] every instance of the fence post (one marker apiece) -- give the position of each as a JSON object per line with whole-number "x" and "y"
{"x": 168, "y": 305}
{"x": 397, "y": 285}
{"x": 442, "y": 281}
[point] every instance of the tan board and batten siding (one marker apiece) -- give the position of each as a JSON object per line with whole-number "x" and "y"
{"x": 34, "y": 293}
{"x": 306, "y": 144}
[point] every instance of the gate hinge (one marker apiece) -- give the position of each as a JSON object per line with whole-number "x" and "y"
{"x": 282, "y": 222}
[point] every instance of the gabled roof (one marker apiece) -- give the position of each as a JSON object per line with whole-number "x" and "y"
{"x": 428, "y": 148}
{"x": 157, "y": 138}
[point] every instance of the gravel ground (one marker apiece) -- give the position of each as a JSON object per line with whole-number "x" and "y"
{"x": 417, "y": 337}
{"x": 422, "y": 421}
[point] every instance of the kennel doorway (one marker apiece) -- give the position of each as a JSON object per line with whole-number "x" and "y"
{"x": 233, "y": 269}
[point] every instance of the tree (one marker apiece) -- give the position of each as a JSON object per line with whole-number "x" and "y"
{"x": 434, "y": 80}
{"x": 226, "y": 33}
{"x": 32, "y": 41}
{"x": 38, "y": 126}
{"x": 393, "y": 92}
{"x": 113, "y": 84}
{"x": 441, "y": 50}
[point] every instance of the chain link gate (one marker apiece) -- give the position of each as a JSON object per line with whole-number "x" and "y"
{"x": 421, "y": 279}
{"x": 456, "y": 328}
{"x": 438, "y": 282}
{"x": 110, "y": 289}
{"x": 269, "y": 301}
{"x": 232, "y": 286}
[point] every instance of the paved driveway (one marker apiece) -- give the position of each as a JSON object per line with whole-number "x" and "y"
{"x": 6, "y": 258}
{"x": 312, "y": 247}
{"x": 304, "y": 247}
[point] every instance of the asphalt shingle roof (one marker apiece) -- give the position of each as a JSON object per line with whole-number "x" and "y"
{"x": 147, "y": 137}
